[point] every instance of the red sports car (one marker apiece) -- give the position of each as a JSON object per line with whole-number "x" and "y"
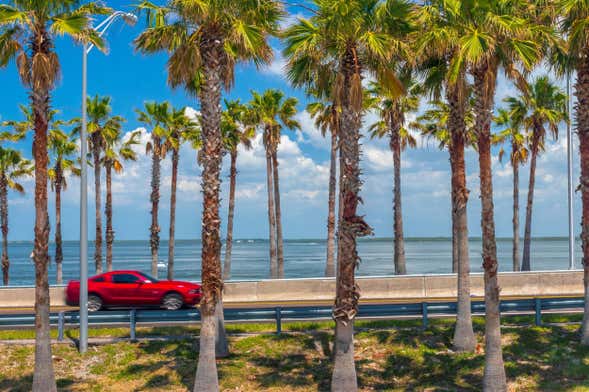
{"x": 134, "y": 288}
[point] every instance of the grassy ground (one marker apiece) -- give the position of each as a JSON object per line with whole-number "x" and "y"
{"x": 390, "y": 356}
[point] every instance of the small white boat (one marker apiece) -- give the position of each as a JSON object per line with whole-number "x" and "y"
{"x": 162, "y": 265}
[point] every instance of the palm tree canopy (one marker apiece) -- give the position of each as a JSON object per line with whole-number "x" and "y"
{"x": 62, "y": 146}
{"x": 233, "y": 128}
{"x": 20, "y": 128}
{"x": 510, "y": 123}
{"x": 13, "y": 167}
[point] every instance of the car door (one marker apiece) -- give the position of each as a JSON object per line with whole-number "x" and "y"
{"x": 126, "y": 288}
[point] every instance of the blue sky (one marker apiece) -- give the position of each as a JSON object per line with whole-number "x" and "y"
{"x": 132, "y": 79}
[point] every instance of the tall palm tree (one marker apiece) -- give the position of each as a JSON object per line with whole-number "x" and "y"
{"x": 574, "y": 27}
{"x": 326, "y": 115}
{"x": 541, "y": 105}
{"x": 392, "y": 112}
{"x": 155, "y": 116}
{"x": 62, "y": 147}
{"x": 511, "y": 121}
{"x": 179, "y": 129}
{"x": 272, "y": 112}
{"x": 206, "y": 39}
{"x": 116, "y": 150}
{"x": 235, "y": 133}
{"x": 27, "y": 33}
{"x": 349, "y": 36}
{"x": 12, "y": 168}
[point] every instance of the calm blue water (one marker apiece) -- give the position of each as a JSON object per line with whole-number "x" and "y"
{"x": 302, "y": 258}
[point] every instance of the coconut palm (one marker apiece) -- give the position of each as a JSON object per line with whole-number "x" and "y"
{"x": 511, "y": 122}
{"x": 574, "y": 27}
{"x": 235, "y": 134}
{"x": 62, "y": 146}
{"x": 392, "y": 112}
{"x": 347, "y": 36}
{"x": 544, "y": 106}
{"x": 117, "y": 149}
{"x": 206, "y": 39}
{"x": 272, "y": 112}
{"x": 27, "y": 33}
{"x": 13, "y": 167}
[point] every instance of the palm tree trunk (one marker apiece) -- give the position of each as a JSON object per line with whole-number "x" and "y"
{"x": 330, "y": 264}
{"x": 212, "y": 54}
{"x": 4, "y": 225}
{"x": 154, "y": 239}
{"x": 350, "y": 227}
{"x": 171, "y": 238}
{"x": 399, "y": 253}
{"x": 110, "y": 234}
{"x": 464, "y": 339}
{"x": 43, "y": 376}
{"x": 526, "y": 265}
{"x": 582, "y": 118}
{"x": 494, "y": 374}
{"x": 97, "y": 195}
{"x": 515, "y": 220}
{"x": 279, "y": 242}
{"x": 271, "y": 217}
{"x": 229, "y": 241}
{"x": 58, "y": 241}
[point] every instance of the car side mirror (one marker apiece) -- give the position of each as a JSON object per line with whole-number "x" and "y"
{"x": 146, "y": 281}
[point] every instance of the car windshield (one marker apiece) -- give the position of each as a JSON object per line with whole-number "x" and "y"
{"x": 152, "y": 279}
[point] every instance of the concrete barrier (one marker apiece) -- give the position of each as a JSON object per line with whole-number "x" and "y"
{"x": 395, "y": 288}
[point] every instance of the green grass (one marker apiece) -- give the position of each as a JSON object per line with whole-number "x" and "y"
{"x": 390, "y": 356}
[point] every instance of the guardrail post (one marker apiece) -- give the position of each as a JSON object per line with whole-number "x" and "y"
{"x": 60, "y": 326}
{"x": 278, "y": 320}
{"x": 538, "y": 311}
{"x": 133, "y": 324}
{"x": 424, "y": 319}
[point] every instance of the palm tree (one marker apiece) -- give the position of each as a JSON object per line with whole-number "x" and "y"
{"x": 272, "y": 112}
{"x": 349, "y": 36}
{"x": 574, "y": 27}
{"x": 542, "y": 105}
{"x": 12, "y": 167}
{"x": 206, "y": 39}
{"x": 27, "y": 32}
{"x": 155, "y": 117}
{"x": 63, "y": 146}
{"x": 392, "y": 112}
{"x": 235, "y": 133}
{"x": 512, "y": 121}
{"x": 115, "y": 152}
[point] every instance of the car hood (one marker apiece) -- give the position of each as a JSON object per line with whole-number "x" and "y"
{"x": 178, "y": 283}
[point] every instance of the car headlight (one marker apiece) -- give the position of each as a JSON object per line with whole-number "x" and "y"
{"x": 194, "y": 291}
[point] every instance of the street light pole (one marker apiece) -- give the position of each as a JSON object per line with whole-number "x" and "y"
{"x": 130, "y": 19}
{"x": 570, "y": 176}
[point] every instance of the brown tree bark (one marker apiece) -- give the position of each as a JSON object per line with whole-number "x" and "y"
{"x": 453, "y": 218}
{"x": 229, "y": 241}
{"x": 395, "y": 145}
{"x": 96, "y": 148}
{"x": 58, "y": 240}
{"x": 4, "y": 225}
{"x": 154, "y": 229}
{"x": 172, "y": 235}
{"x": 110, "y": 234}
{"x": 212, "y": 54}
{"x": 484, "y": 86}
{"x": 279, "y": 241}
{"x": 526, "y": 265}
{"x": 330, "y": 261}
{"x": 515, "y": 220}
{"x": 271, "y": 217}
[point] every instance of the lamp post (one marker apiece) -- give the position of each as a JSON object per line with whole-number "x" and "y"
{"x": 570, "y": 176}
{"x": 130, "y": 19}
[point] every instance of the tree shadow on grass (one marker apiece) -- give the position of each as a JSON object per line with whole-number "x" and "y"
{"x": 17, "y": 384}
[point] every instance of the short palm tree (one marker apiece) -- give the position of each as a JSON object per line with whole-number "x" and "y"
{"x": 392, "y": 112}
{"x": 235, "y": 134}
{"x": 117, "y": 149}
{"x": 352, "y": 38}
{"x": 510, "y": 121}
{"x": 544, "y": 106}
{"x": 12, "y": 168}
{"x": 27, "y": 32}
{"x": 62, "y": 146}
{"x": 272, "y": 112}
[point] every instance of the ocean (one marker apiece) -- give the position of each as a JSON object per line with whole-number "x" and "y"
{"x": 302, "y": 258}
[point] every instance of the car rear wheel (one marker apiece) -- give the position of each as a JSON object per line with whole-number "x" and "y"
{"x": 172, "y": 301}
{"x": 94, "y": 303}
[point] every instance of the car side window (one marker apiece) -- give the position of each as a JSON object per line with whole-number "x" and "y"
{"x": 124, "y": 278}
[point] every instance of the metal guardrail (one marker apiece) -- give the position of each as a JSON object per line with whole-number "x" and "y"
{"x": 290, "y": 313}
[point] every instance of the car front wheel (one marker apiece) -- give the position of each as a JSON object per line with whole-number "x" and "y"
{"x": 172, "y": 301}
{"x": 94, "y": 303}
